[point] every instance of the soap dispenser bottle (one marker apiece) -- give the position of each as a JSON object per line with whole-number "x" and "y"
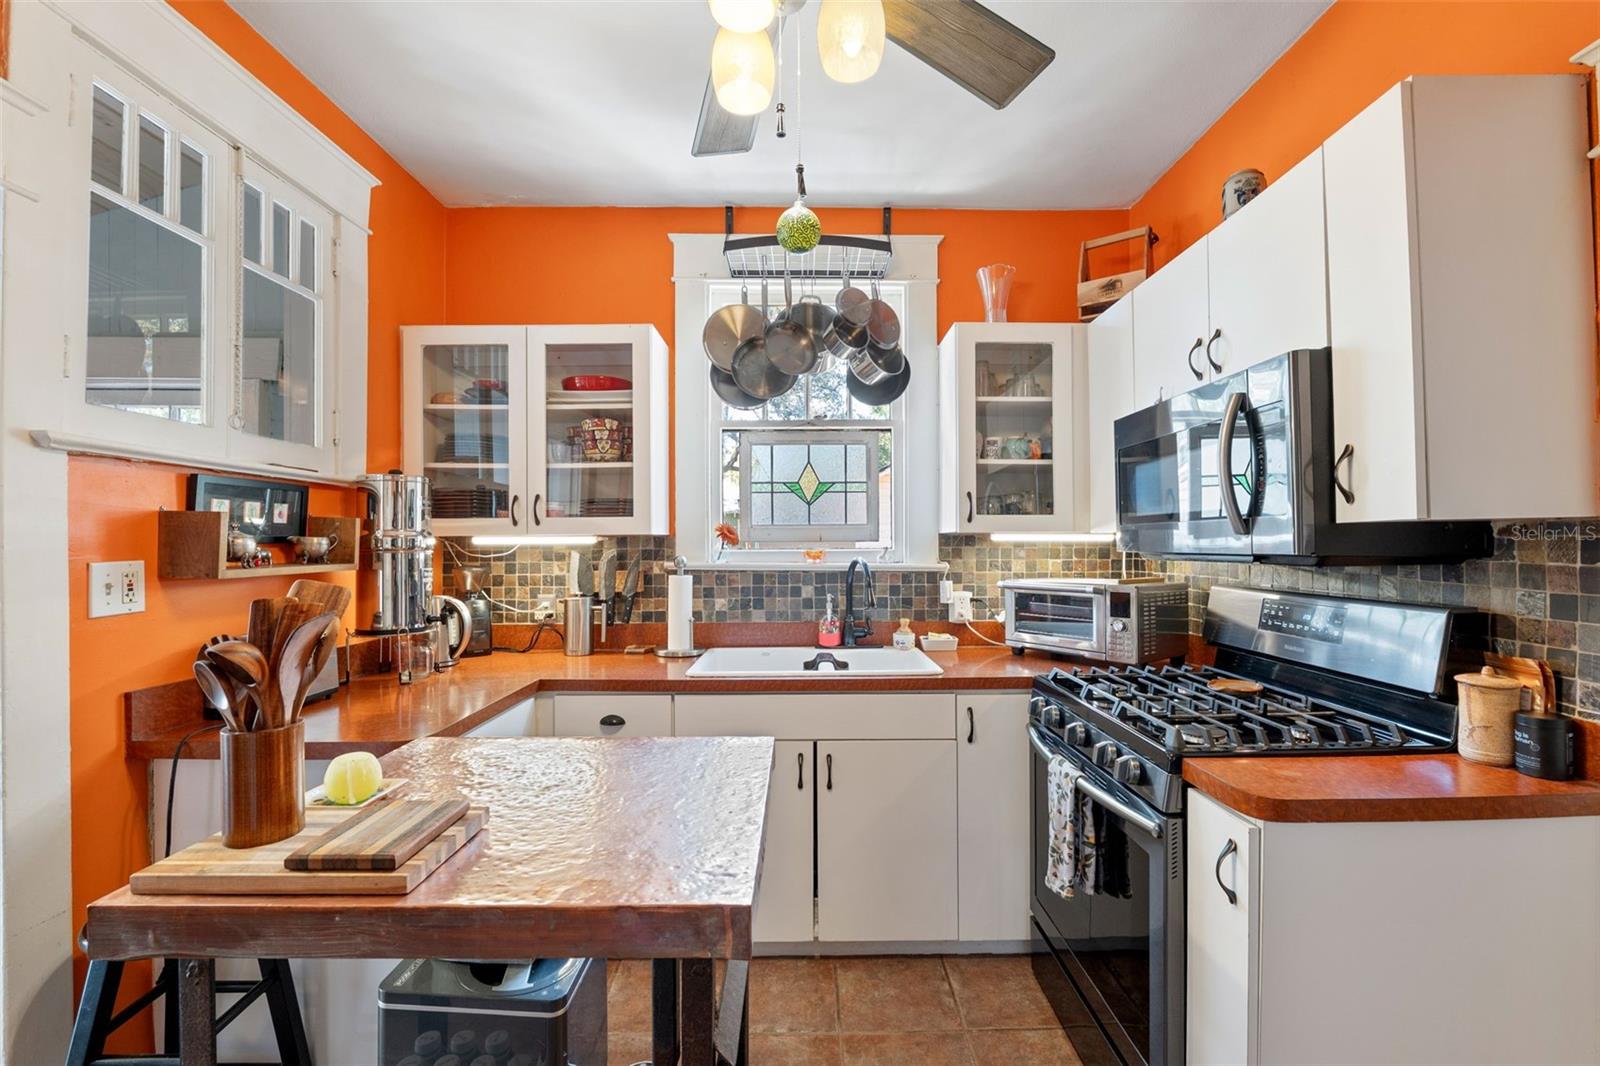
{"x": 829, "y": 632}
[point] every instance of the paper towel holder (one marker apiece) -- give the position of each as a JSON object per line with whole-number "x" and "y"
{"x": 686, "y": 653}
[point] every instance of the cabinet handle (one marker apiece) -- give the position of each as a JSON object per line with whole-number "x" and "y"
{"x": 800, "y": 761}
{"x": 830, "y": 771}
{"x": 1346, "y": 456}
{"x": 613, "y": 721}
{"x": 1214, "y": 338}
{"x": 1227, "y": 849}
{"x": 1199, "y": 375}
{"x": 514, "y": 501}
{"x": 534, "y": 510}
{"x": 969, "y": 507}
{"x": 972, "y": 726}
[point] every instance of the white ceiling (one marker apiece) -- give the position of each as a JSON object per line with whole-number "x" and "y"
{"x": 594, "y": 101}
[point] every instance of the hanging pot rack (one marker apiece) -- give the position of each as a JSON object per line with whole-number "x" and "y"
{"x": 859, "y": 258}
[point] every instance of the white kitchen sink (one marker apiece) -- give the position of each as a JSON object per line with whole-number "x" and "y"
{"x": 790, "y": 662}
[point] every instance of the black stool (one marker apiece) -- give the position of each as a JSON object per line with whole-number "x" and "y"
{"x": 98, "y": 1017}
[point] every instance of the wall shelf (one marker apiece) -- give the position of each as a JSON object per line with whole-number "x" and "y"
{"x": 194, "y": 545}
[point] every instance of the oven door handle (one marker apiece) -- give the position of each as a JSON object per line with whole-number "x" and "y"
{"x": 1100, "y": 795}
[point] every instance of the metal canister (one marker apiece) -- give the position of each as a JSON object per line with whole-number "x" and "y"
{"x": 397, "y": 546}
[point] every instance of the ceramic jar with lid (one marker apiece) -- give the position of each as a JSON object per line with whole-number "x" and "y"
{"x": 1489, "y": 704}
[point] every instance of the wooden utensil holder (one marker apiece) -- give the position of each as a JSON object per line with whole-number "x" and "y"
{"x": 263, "y": 785}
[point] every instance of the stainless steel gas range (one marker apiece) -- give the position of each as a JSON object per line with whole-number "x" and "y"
{"x": 1294, "y": 675}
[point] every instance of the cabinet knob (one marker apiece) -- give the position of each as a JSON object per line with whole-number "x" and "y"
{"x": 613, "y": 721}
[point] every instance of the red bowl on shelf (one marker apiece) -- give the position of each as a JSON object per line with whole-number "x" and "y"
{"x": 595, "y": 383}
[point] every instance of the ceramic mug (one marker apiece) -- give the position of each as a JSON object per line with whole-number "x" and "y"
{"x": 992, "y": 447}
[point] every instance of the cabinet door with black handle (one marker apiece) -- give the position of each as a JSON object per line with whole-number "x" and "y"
{"x": 784, "y": 898}
{"x": 585, "y": 715}
{"x": 1222, "y": 864}
{"x": 994, "y": 815}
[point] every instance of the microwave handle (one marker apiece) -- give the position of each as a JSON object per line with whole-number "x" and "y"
{"x": 1230, "y": 502}
{"x": 1100, "y": 795}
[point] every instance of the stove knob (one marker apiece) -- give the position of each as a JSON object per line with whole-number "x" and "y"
{"x": 1076, "y": 734}
{"x": 1127, "y": 770}
{"x": 1118, "y": 626}
{"x": 1105, "y": 754}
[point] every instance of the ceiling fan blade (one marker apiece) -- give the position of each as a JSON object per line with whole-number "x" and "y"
{"x": 969, "y": 44}
{"x": 719, "y": 132}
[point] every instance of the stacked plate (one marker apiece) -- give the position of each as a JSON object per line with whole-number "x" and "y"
{"x": 480, "y": 501}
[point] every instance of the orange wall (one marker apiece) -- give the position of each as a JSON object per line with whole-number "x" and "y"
{"x": 113, "y": 503}
{"x": 1347, "y": 59}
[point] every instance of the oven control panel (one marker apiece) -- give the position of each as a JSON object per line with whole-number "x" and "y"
{"x": 1314, "y": 621}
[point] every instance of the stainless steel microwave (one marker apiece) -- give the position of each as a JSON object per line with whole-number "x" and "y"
{"x": 1136, "y": 621}
{"x": 1242, "y": 468}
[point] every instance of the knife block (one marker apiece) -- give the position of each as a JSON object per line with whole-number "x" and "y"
{"x": 263, "y": 785}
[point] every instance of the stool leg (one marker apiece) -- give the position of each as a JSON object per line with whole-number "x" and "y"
{"x": 168, "y": 980}
{"x": 287, "y": 1025}
{"x": 197, "y": 1004}
{"x": 664, "y": 1012}
{"x": 95, "y": 1010}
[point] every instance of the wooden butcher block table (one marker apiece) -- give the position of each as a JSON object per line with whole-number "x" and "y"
{"x": 644, "y": 847}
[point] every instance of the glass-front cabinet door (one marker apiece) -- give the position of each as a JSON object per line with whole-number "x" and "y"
{"x": 597, "y": 442}
{"x": 1008, "y": 461}
{"x": 466, "y": 426}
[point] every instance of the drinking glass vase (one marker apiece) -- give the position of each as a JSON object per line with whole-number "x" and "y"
{"x": 994, "y": 281}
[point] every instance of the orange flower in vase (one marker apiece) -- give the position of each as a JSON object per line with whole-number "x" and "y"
{"x": 813, "y": 555}
{"x": 727, "y": 534}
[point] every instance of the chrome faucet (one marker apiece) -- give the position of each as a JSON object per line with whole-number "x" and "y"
{"x": 852, "y": 633}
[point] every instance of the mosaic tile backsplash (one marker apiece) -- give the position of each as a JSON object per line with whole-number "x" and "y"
{"x": 519, "y": 580}
{"x": 1541, "y": 587}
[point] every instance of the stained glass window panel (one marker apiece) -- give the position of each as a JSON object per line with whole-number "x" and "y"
{"x": 799, "y": 489}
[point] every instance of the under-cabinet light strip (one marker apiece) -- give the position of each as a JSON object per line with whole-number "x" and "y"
{"x": 1053, "y": 538}
{"x": 549, "y": 539}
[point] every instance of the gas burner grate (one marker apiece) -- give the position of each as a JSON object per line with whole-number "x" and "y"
{"x": 1177, "y": 708}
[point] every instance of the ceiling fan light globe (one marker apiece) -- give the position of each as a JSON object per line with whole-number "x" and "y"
{"x": 743, "y": 16}
{"x": 850, "y": 38}
{"x": 742, "y": 71}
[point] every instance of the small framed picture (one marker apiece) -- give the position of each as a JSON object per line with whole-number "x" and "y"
{"x": 270, "y": 511}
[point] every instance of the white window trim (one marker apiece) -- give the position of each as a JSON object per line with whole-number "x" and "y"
{"x": 698, "y": 263}
{"x": 147, "y": 43}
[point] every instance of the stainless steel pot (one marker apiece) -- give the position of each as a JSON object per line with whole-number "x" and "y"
{"x": 729, "y": 392}
{"x": 872, "y": 365}
{"x": 885, "y": 391}
{"x": 731, "y": 326}
{"x": 791, "y": 348}
{"x": 847, "y": 333}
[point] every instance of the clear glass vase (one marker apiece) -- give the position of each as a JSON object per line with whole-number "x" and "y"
{"x": 994, "y": 281}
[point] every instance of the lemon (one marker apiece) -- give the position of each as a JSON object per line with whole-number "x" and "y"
{"x": 352, "y": 777}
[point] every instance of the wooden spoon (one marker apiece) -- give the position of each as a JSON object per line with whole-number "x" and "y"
{"x": 244, "y": 664}
{"x": 264, "y": 615}
{"x": 325, "y": 595}
{"x": 291, "y": 666}
{"x": 1238, "y": 686}
{"x": 296, "y": 614}
{"x": 220, "y": 695}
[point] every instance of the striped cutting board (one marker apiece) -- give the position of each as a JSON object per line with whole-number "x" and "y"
{"x": 381, "y": 837}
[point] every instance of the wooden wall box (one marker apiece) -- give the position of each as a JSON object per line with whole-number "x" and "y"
{"x": 194, "y": 544}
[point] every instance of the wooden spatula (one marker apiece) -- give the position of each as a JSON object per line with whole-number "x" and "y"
{"x": 264, "y": 615}
{"x": 325, "y": 595}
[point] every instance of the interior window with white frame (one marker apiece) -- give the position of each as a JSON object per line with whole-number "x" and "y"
{"x": 814, "y": 468}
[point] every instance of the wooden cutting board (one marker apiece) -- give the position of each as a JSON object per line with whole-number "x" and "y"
{"x": 381, "y": 837}
{"x": 208, "y": 868}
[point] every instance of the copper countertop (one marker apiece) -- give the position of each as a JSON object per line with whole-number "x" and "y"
{"x": 377, "y": 714}
{"x": 568, "y": 864}
{"x": 1384, "y": 788}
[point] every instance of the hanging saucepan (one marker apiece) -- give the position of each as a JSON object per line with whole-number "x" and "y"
{"x": 815, "y": 317}
{"x": 881, "y": 392}
{"x": 881, "y": 357}
{"x": 848, "y": 333}
{"x": 791, "y": 347}
{"x": 749, "y": 354}
{"x": 753, "y": 370}
{"x": 729, "y": 392}
{"x": 728, "y": 327}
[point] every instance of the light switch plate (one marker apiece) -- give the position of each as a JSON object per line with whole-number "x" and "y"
{"x": 116, "y": 588}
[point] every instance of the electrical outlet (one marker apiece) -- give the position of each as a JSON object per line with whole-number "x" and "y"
{"x": 116, "y": 588}
{"x": 545, "y": 608}
{"x": 960, "y": 606}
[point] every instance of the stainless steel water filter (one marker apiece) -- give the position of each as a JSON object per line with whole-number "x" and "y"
{"x": 397, "y": 548}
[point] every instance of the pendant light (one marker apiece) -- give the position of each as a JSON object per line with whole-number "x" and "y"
{"x": 850, "y": 36}
{"x": 743, "y": 16}
{"x": 742, "y": 71}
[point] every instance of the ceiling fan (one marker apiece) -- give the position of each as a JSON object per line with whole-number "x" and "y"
{"x": 961, "y": 39}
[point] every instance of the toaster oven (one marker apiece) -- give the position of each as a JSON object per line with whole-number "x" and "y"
{"x": 1110, "y": 619}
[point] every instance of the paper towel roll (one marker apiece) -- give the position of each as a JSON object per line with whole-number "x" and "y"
{"x": 680, "y": 612}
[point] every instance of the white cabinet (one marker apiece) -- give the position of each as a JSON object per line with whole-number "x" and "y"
{"x": 599, "y": 459}
{"x": 1268, "y": 274}
{"x": 1171, "y": 321}
{"x": 886, "y": 840}
{"x": 1111, "y": 395}
{"x": 785, "y": 899}
{"x": 511, "y": 449}
{"x": 465, "y": 398}
{"x": 1419, "y": 928}
{"x": 518, "y": 720}
{"x": 1008, "y": 411}
{"x": 993, "y": 816}
{"x": 1221, "y": 858}
{"x": 1461, "y": 301}
{"x": 613, "y": 716}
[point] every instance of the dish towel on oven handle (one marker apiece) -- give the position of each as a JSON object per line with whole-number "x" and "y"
{"x": 1061, "y": 874}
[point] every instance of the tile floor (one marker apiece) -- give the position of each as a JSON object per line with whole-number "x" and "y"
{"x": 959, "y": 1010}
